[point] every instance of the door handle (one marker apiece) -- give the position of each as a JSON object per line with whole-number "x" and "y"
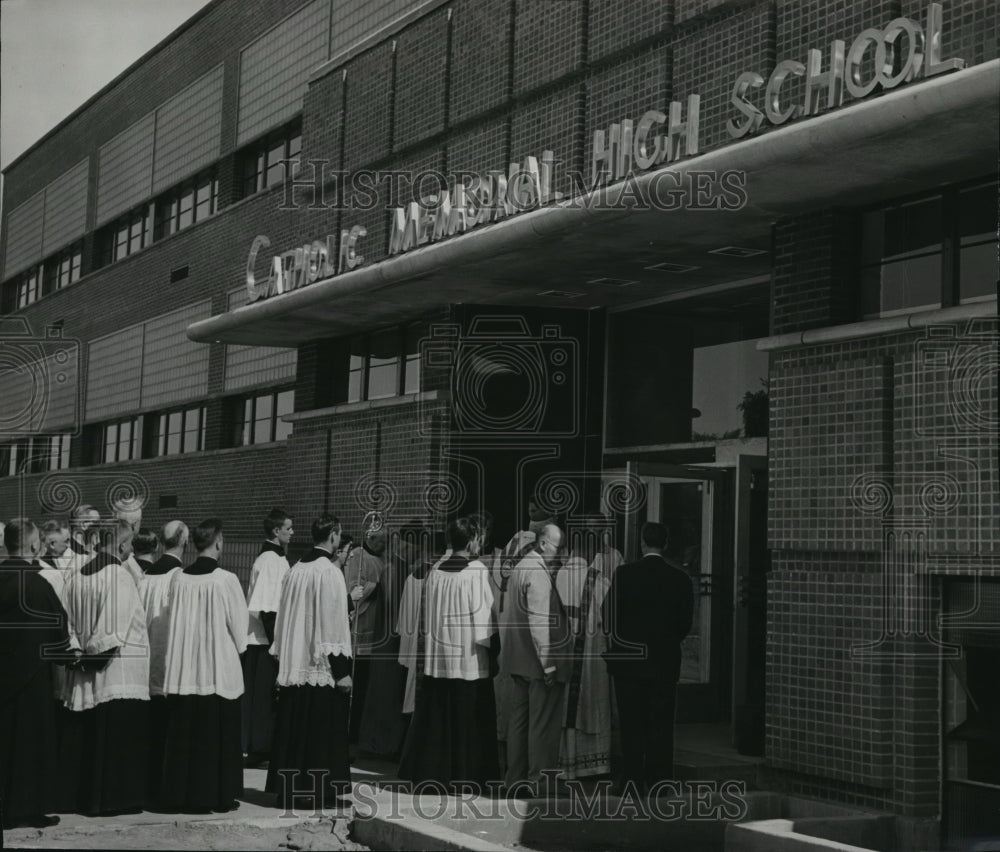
{"x": 743, "y": 591}
{"x": 705, "y": 586}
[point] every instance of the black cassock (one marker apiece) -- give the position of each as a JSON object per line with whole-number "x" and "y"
{"x": 310, "y": 748}
{"x": 33, "y": 632}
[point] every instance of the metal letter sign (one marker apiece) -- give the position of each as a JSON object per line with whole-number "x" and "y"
{"x": 902, "y": 45}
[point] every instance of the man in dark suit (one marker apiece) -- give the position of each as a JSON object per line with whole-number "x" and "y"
{"x": 647, "y": 613}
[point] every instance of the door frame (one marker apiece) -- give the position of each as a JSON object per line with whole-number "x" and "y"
{"x": 747, "y": 466}
{"x": 710, "y": 701}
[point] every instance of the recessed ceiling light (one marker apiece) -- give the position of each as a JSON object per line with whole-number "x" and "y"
{"x": 562, "y": 294}
{"x": 737, "y": 251}
{"x": 613, "y": 282}
{"x": 671, "y": 267}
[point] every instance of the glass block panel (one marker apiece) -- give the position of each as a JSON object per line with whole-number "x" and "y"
{"x": 125, "y": 175}
{"x": 252, "y": 366}
{"x": 175, "y": 368}
{"x": 24, "y": 235}
{"x": 113, "y": 373}
{"x": 66, "y": 208}
{"x": 274, "y": 69}
{"x": 189, "y": 130}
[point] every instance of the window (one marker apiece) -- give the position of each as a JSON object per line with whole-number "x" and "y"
{"x": 122, "y": 440}
{"x": 256, "y": 419}
{"x": 125, "y": 236}
{"x": 173, "y": 432}
{"x": 385, "y": 363}
{"x": 29, "y": 287}
{"x": 977, "y": 246}
{"x": 63, "y": 269}
{"x": 262, "y": 164}
{"x": 8, "y": 459}
{"x": 187, "y": 203}
{"x": 930, "y": 252}
{"x": 59, "y": 446}
{"x": 38, "y": 454}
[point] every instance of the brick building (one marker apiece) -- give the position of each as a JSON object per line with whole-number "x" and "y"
{"x": 751, "y": 292}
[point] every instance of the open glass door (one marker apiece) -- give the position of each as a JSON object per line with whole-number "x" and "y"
{"x": 696, "y": 506}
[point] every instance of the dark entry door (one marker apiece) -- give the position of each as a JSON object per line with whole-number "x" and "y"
{"x": 696, "y": 506}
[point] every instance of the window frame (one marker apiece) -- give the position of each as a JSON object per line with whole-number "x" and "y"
{"x": 404, "y": 362}
{"x": 949, "y": 254}
{"x": 40, "y": 450}
{"x": 243, "y": 416}
{"x": 134, "y": 452}
{"x": 178, "y": 208}
{"x": 29, "y": 286}
{"x": 255, "y": 164}
{"x": 158, "y": 431}
{"x": 63, "y": 268}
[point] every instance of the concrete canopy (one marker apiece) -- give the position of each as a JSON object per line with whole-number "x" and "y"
{"x": 908, "y": 140}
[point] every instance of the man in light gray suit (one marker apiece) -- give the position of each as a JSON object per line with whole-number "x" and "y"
{"x": 534, "y": 633}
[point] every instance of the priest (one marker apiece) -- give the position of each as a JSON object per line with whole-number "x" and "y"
{"x": 203, "y": 682}
{"x": 259, "y": 668}
{"x": 312, "y": 643}
{"x": 33, "y": 636}
{"x": 364, "y": 573}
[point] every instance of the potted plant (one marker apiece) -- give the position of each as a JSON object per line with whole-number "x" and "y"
{"x": 754, "y": 408}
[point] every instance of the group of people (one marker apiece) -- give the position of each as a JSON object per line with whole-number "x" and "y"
{"x": 136, "y": 678}
{"x": 511, "y": 655}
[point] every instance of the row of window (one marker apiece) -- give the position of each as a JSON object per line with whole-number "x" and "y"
{"x": 55, "y": 273}
{"x": 38, "y": 454}
{"x": 261, "y": 165}
{"x": 254, "y": 419}
{"x": 934, "y": 251}
{"x": 173, "y": 211}
{"x": 380, "y": 365}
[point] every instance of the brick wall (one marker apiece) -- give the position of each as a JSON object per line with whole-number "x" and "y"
{"x": 812, "y": 267}
{"x": 238, "y": 486}
{"x": 616, "y": 25}
{"x": 710, "y": 53}
{"x": 883, "y": 479}
{"x": 368, "y": 107}
{"x": 361, "y": 457}
{"x": 548, "y": 41}
{"x": 421, "y": 93}
{"x": 481, "y": 56}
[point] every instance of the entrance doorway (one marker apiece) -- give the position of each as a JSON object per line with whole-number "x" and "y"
{"x": 717, "y": 522}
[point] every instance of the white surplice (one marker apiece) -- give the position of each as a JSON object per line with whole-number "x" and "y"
{"x": 105, "y": 612}
{"x": 312, "y": 623}
{"x": 206, "y": 633}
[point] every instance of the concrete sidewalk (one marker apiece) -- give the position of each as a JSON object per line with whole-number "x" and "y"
{"x": 258, "y": 824}
{"x": 384, "y": 816}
